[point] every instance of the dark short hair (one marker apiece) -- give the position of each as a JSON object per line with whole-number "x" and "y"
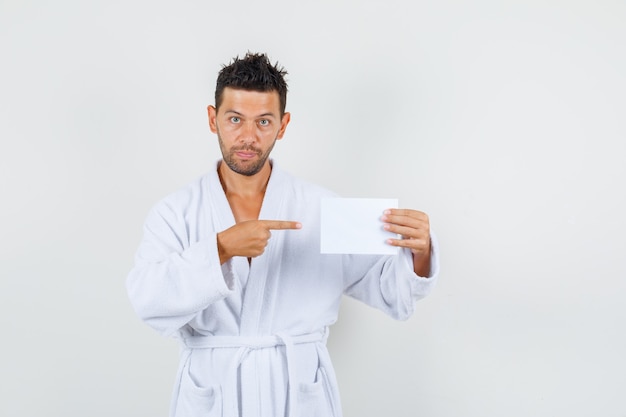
{"x": 253, "y": 72}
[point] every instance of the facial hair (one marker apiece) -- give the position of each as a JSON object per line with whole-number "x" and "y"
{"x": 247, "y": 168}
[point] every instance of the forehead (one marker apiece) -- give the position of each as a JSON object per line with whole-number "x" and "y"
{"x": 249, "y": 102}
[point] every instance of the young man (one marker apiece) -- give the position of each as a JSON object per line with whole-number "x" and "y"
{"x": 252, "y": 312}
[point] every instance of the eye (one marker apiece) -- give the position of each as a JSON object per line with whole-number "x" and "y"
{"x": 264, "y": 122}
{"x": 235, "y": 119}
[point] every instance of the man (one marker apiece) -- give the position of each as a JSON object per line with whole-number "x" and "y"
{"x": 252, "y": 312}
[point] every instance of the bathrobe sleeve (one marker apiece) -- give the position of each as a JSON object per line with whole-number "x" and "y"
{"x": 389, "y": 282}
{"x": 174, "y": 278}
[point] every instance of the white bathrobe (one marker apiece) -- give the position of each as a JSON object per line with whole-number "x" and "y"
{"x": 254, "y": 336}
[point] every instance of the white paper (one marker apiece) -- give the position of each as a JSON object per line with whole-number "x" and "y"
{"x": 353, "y": 226}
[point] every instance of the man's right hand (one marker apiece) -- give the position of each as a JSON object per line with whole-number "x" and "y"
{"x": 249, "y": 238}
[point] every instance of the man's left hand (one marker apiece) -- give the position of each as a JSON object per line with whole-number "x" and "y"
{"x": 414, "y": 228}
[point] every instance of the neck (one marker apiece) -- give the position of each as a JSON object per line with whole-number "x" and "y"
{"x": 243, "y": 185}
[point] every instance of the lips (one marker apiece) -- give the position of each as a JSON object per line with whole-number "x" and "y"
{"x": 245, "y": 154}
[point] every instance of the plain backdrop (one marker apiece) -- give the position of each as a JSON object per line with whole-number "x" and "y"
{"x": 503, "y": 120}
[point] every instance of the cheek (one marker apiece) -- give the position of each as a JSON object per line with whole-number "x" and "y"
{"x": 228, "y": 133}
{"x": 269, "y": 133}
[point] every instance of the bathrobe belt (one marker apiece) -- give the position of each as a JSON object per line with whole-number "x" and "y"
{"x": 245, "y": 345}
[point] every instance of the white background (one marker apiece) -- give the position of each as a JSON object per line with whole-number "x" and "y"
{"x": 504, "y": 120}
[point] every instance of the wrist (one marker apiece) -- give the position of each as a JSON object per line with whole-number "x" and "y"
{"x": 221, "y": 249}
{"x": 421, "y": 263}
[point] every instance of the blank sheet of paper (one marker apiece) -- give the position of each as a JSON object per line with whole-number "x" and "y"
{"x": 353, "y": 226}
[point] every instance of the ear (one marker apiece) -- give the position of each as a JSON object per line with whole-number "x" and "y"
{"x": 212, "y": 112}
{"x": 283, "y": 125}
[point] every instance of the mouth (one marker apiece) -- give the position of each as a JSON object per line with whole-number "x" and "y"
{"x": 246, "y": 155}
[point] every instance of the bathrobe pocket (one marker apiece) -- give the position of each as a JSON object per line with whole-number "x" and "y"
{"x": 196, "y": 400}
{"x": 314, "y": 398}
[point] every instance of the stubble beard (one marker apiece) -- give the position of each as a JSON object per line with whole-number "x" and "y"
{"x": 249, "y": 168}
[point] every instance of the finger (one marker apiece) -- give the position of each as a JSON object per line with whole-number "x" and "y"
{"x": 407, "y": 232}
{"x": 281, "y": 224}
{"x": 416, "y": 245}
{"x": 404, "y": 221}
{"x": 406, "y": 212}
{"x": 405, "y": 215}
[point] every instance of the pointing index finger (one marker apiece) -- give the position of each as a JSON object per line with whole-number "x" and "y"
{"x": 281, "y": 224}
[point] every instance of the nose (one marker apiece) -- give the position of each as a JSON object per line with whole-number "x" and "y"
{"x": 248, "y": 132}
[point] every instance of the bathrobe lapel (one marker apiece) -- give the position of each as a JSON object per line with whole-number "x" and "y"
{"x": 222, "y": 218}
{"x": 257, "y": 295}
{"x": 258, "y": 300}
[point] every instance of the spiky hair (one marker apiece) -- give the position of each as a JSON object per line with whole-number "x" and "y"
{"x": 253, "y": 72}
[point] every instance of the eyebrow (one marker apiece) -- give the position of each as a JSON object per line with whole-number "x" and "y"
{"x": 269, "y": 114}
